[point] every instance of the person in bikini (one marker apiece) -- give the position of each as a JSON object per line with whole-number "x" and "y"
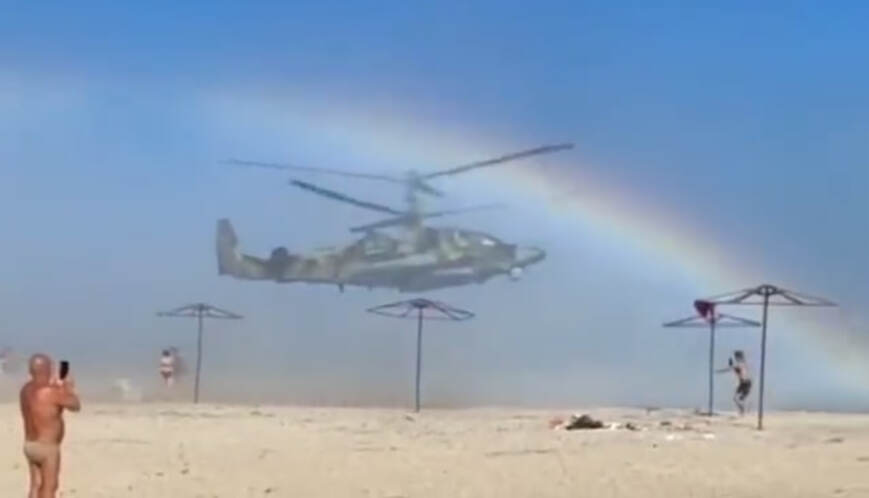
{"x": 43, "y": 400}
{"x": 167, "y": 367}
{"x": 739, "y": 366}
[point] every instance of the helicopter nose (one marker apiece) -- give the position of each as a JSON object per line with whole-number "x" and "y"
{"x": 529, "y": 255}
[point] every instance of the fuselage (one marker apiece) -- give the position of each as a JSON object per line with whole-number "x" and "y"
{"x": 432, "y": 258}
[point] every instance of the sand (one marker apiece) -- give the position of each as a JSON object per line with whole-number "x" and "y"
{"x": 178, "y": 451}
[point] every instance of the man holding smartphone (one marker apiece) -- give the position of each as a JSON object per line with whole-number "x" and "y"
{"x": 43, "y": 400}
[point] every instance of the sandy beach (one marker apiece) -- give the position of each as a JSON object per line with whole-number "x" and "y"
{"x": 173, "y": 450}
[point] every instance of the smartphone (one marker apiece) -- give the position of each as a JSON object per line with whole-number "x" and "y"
{"x": 64, "y": 369}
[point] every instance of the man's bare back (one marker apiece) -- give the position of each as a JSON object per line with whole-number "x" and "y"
{"x": 43, "y": 416}
{"x": 43, "y": 401}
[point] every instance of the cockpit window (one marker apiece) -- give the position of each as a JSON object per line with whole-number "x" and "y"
{"x": 459, "y": 239}
{"x": 375, "y": 243}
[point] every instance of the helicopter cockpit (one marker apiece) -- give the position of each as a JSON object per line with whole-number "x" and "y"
{"x": 466, "y": 238}
{"x": 377, "y": 245}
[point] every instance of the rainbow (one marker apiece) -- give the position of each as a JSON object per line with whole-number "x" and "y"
{"x": 385, "y": 134}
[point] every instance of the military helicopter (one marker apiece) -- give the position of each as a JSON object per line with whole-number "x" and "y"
{"x": 421, "y": 258}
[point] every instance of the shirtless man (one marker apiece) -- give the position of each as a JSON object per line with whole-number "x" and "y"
{"x": 739, "y": 367}
{"x": 43, "y": 400}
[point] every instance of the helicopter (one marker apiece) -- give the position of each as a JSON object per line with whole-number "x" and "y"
{"x": 420, "y": 258}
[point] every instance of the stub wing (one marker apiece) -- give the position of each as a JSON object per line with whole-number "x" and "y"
{"x": 232, "y": 262}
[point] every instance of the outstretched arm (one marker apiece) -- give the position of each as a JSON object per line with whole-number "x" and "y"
{"x": 722, "y": 370}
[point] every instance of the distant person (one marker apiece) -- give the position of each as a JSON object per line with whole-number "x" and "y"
{"x": 167, "y": 367}
{"x": 43, "y": 400}
{"x": 10, "y": 362}
{"x": 5, "y": 357}
{"x": 739, "y": 366}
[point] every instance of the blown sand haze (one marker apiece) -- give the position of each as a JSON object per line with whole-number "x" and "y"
{"x": 178, "y": 451}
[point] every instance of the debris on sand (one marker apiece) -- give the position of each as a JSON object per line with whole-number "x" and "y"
{"x": 582, "y": 422}
{"x": 585, "y": 421}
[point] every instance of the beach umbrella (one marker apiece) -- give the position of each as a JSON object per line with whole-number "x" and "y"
{"x": 199, "y": 311}
{"x": 766, "y": 295}
{"x": 707, "y": 317}
{"x": 421, "y": 310}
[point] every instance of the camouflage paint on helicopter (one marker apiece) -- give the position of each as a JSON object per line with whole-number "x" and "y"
{"x": 442, "y": 258}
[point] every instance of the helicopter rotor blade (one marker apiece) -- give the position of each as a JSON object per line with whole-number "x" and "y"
{"x": 331, "y": 194}
{"x": 389, "y": 222}
{"x": 546, "y": 149}
{"x": 419, "y": 185}
{"x": 292, "y": 167}
{"x": 469, "y": 209}
{"x": 408, "y": 218}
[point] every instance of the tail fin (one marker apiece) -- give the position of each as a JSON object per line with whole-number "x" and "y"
{"x": 229, "y": 260}
{"x": 232, "y": 262}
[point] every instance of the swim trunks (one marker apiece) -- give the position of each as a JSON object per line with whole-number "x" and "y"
{"x": 38, "y": 452}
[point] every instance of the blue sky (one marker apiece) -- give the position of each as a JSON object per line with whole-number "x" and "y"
{"x": 747, "y": 123}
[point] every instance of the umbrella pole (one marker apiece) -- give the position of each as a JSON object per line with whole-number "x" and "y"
{"x": 711, "y": 365}
{"x": 762, "y": 363}
{"x": 418, "y": 356}
{"x": 198, "y": 357}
